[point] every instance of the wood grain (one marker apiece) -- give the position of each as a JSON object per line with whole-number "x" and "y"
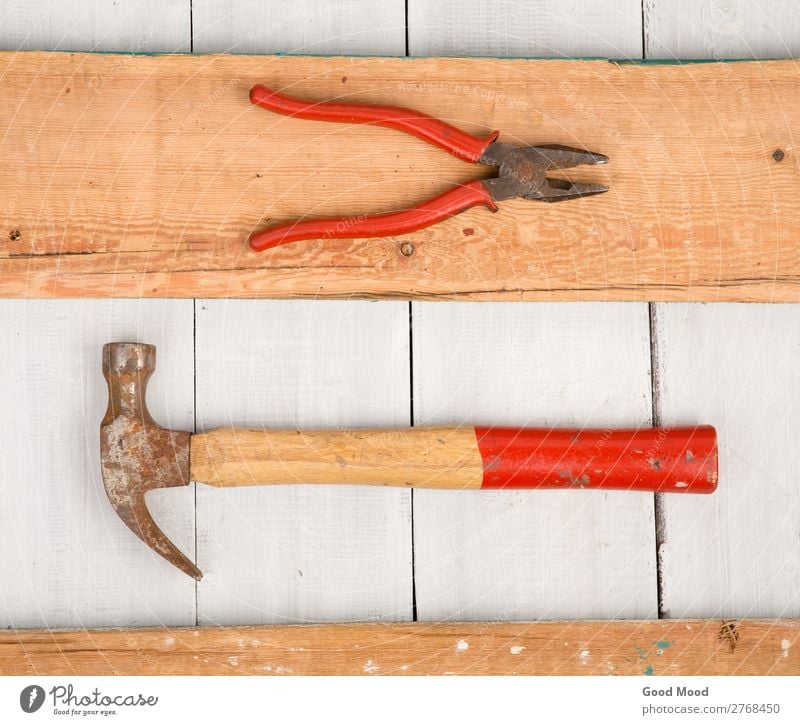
{"x": 672, "y": 648}
{"x": 420, "y": 457}
{"x": 142, "y": 176}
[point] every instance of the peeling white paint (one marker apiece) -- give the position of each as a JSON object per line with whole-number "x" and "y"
{"x": 371, "y": 667}
{"x": 516, "y": 649}
{"x": 169, "y": 641}
{"x": 462, "y": 645}
{"x": 584, "y": 656}
{"x": 233, "y": 660}
{"x": 785, "y": 646}
{"x": 255, "y": 642}
{"x": 284, "y": 670}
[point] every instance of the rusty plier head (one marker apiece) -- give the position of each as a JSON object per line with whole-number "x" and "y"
{"x": 523, "y": 172}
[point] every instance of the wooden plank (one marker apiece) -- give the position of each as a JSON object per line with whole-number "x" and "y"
{"x": 68, "y": 560}
{"x": 147, "y": 180}
{"x": 735, "y": 553}
{"x": 303, "y": 553}
{"x": 144, "y": 26}
{"x": 515, "y": 556}
{"x": 532, "y": 554}
{"x": 673, "y": 648}
{"x": 710, "y": 29}
{"x": 553, "y": 28}
{"x": 357, "y": 27}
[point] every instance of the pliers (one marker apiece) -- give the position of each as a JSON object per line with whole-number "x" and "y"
{"x": 522, "y": 171}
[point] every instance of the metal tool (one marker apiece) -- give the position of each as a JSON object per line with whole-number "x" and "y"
{"x": 522, "y": 171}
{"x": 138, "y": 455}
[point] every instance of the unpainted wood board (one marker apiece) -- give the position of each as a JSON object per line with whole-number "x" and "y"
{"x": 133, "y": 26}
{"x": 721, "y": 30}
{"x": 147, "y": 176}
{"x": 736, "y": 553}
{"x": 67, "y": 558}
{"x": 300, "y": 553}
{"x": 671, "y": 648}
{"x": 532, "y": 554}
{"x": 552, "y": 28}
{"x": 308, "y": 27}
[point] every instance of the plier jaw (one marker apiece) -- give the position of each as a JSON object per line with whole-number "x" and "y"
{"x": 522, "y": 171}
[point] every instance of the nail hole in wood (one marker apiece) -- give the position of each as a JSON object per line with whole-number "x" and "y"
{"x": 406, "y": 249}
{"x": 778, "y": 155}
{"x": 14, "y": 235}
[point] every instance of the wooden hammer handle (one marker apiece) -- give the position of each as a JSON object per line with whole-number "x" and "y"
{"x": 681, "y": 460}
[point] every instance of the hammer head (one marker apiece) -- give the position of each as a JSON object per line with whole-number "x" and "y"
{"x": 136, "y": 454}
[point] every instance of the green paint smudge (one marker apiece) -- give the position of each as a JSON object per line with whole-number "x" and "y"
{"x": 649, "y": 670}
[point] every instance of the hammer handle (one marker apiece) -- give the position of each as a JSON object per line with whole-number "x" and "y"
{"x": 679, "y": 460}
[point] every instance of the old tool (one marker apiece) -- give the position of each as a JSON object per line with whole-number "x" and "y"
{"x": 522, "y": 171}
{"x": 138, "y": 455}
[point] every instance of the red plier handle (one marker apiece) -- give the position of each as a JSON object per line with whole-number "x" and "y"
{"x": 453, "y": 140}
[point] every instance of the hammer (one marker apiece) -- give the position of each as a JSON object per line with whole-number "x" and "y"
{"x": 138, "y": 455}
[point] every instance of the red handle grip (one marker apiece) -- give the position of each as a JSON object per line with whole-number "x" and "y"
{"x": 676, "y": 460}
{"x": 381, "y": 225}
{"x": 453, "y": 140}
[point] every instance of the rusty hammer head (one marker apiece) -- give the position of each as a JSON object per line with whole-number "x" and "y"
{"x": 136, "y": 454}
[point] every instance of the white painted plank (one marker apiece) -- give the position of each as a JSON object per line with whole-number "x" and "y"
{"x": 560, "y": 28}
{"x": 713, "y": 29}
{"x": 303, "y": 553}
{"x": 310, "y": 27}
{"x": 133, "y": 26}
{"x": 546, "y": 554}
{"x": 68, "y": 560}
{"x": 736, "y": 553}
{"x": 533, "y": 554}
